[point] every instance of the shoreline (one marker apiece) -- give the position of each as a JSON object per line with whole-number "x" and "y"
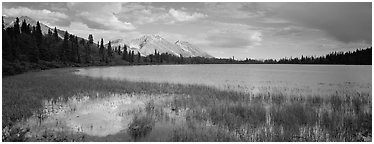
{"x": 227, "y": 110}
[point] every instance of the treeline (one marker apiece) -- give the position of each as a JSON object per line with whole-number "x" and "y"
{"x": 357, "y": 57}
{"x": 25, "y": 48}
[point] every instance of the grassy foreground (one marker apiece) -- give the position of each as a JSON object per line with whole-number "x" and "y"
{"x": 212, "y": 114}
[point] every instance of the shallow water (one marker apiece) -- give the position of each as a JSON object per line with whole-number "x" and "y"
{"x": 103, "y": 116}
{"x": 253, "y": 78}
{"x": 106, "y": 117}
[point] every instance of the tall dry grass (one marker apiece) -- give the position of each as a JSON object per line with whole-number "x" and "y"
{"x": 211, "y": 114}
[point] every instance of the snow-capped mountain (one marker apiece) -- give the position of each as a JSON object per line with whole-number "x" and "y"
{"x": 147, "y": 45}
{"x": 9, "y": 22}
{"x": 192, "y": 49}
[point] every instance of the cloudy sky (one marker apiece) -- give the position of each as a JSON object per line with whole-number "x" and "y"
{"x": 253, "y": 30}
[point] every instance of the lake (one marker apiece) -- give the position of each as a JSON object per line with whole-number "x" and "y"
{"x": 252, "y": 78}
{"x": 332, "y": 93}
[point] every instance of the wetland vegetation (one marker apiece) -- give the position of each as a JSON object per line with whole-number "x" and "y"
{"x": 57, "y": 105}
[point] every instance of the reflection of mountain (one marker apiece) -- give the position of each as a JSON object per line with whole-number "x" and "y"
{"x": 147, "y": 45}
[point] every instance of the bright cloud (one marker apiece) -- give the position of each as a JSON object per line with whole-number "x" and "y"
{"x": 100, "y": 15}
{"x": 43, "y": 14}
{"x": 235, "y": 10}
{"x": 180, "y": 15}
{"x": 146, "y": 13}
{"x": 253, "y": 30}
{"x": 143, "y": 14}
{"x": 82, "y": 30}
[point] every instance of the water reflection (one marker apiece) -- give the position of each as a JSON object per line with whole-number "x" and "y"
{"x": 250, "y": 78}
{"x": 124, "y": 116}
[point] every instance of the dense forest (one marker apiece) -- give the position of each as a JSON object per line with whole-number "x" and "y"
{"x": 26, "y": 48}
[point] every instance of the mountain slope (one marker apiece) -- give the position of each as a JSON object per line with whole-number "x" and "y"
{"x": 9, "y": 22}
{"x": 147, "y": 45}
{"x": 193, "y": 50}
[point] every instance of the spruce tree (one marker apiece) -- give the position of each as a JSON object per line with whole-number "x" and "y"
{"x": 77, "y": 50}
{"x": 16, "y": 27}
{"x": 90, "y": 39}
{"x": 38, "y": 34}
{"x": 132, "y": 56}
{"x": 72, "y": 51}
{"x": 139, "y": 57}
{"x": 124, "y": 54}
{"x": 101, "y": 50}
{"x": 65, "y": 47}
{"x": 109, "y": 50}
{"x": 119, "y": 50}
{"x": 55, "y": 35}
{"x": 24, "y": 28}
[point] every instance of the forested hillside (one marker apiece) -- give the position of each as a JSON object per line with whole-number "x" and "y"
{"x": 26, "y": 48}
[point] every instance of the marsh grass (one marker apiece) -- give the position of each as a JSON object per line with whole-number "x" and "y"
{"x": 211, "y": 114}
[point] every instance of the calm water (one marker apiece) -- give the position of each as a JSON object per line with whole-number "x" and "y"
{"x": 108, "y": 116}
{"x": 311, "y": 79}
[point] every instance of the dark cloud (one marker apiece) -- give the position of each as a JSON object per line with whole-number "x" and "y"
{"x": 346, "y": 22}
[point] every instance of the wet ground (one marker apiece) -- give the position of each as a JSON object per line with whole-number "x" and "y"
{"x": 107, "y": 117}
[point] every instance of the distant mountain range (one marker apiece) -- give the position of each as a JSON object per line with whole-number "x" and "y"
{"x": 146, "y": 44}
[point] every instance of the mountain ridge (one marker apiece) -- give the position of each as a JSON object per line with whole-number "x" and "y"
{"x": 8, "y": 22}
{"x": 147, "y": 44}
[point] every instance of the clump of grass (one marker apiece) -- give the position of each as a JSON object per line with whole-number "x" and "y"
{"x": 140, "y": 126}
{"x": 202, "y": 134}
{"x": 236, "y": 115}
{"x": 293, "y": 116}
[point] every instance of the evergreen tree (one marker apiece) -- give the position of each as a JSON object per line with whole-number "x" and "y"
{"x": 16, "y": 27}
{"x": 87, "y": 52}
{"x": 55, "y": 35}
{"x": 101, "y": 50}
{"x": 77, "y": 50}
{"x": 132, "y": 56}
{"x": 109, "y": 50}
{"x": 129, "y": 59}
{"x": 72, "y": 51}
{"x": 65, "y": 47}
{"x": 24, "y": 27}
{"x": 50, "y": 33}
{"x": 38, "y": 34}
{"x": 88, "y": 47}
{"x": 124, "y": 54}
{"x": 90, "y": 39}
{"x": 119, "y": 50}
{"x": 139, "y": 57}
{"x": 29, "y": 28}
{"x": 6, "y": 44}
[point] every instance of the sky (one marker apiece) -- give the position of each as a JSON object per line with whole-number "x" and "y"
{"x": 224, "y": 29}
